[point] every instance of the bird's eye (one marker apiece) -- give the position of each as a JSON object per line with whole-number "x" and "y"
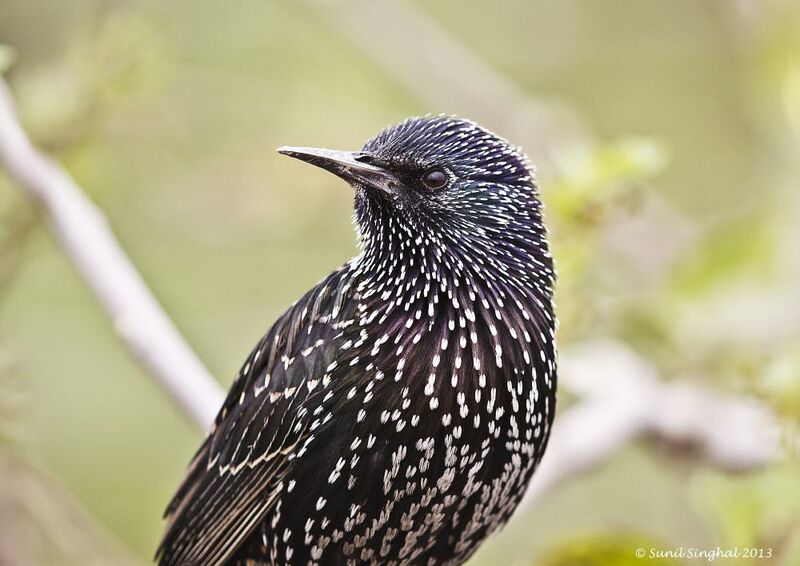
{"x": 364, "y": 158}
{"x": 434, "y": 179}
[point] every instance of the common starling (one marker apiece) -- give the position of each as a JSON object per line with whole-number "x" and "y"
{"x": 396, "y": 412}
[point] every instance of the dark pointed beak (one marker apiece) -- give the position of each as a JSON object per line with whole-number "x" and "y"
{"x": 345, "y": 164}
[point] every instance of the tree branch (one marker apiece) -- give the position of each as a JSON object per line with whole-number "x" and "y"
{"x": 623, "y": 399}
{"x": 85, "y": 237}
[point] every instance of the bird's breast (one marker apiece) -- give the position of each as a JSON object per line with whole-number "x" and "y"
{"x": 443, "y": 408}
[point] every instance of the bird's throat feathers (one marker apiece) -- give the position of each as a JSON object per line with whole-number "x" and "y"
{"x": 497, "y": 258}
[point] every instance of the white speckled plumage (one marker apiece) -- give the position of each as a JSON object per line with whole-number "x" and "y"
{"x": 395, "y": 413}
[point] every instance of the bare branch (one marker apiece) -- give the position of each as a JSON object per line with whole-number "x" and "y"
{"x": 85, "y": 237}
{"x": 623, "y": 399}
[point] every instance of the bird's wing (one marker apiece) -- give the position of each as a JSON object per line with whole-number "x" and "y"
{"x": 234, "y": 478}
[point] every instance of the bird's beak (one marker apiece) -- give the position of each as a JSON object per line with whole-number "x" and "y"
{"x": 345, "y": 165}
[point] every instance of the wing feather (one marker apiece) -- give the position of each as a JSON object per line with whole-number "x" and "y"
{"x": 234, "y": 478}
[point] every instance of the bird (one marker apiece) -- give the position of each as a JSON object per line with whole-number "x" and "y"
{"x": 396, "y": 412}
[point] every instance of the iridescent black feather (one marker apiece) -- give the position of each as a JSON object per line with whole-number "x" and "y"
{"x": 395, "y": 413}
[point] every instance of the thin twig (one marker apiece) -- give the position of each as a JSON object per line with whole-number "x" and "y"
{"x": 85, "y": 237}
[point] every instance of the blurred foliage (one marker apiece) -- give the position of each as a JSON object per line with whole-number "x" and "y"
{"x": 593, "y": 187}
{"x": 41, "y": 524}
{"x": 758, "y": 511}
{"x": 63, "y": 103}
{"x": 612, "y": 549}
{"x": 675, "y": 231}
{"x": 779, "y": 381}
{"x": 7, "y": 57}
{"x": 9, "y": 401}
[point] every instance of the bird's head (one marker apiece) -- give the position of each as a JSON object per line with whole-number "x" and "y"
{"x": 440, "y": 182}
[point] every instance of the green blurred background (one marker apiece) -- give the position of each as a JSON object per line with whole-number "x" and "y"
{"x": 667, "y": 132}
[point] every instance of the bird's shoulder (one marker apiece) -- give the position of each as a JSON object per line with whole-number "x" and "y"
{"x": 299, "y": 346}
{"x": 260, "y": 426}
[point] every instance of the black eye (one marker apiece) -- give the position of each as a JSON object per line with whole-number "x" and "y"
{"x": 434, "y": 179}
{"x": 364, "y": 158}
